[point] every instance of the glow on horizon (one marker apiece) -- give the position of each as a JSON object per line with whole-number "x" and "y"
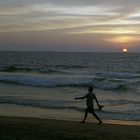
{"x": 101, "y": 22}
{"x": 123, "y": 39}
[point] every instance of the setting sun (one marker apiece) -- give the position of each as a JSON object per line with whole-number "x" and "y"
{"x": 125, "y": 50}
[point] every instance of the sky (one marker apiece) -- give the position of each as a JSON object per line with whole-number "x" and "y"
{"x": 70, "y": 25}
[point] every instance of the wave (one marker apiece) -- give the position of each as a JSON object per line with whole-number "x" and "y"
{"x": 32, "y": 80}
{"x": 120, "y": 102}
{"x": 40, "y": 69}
{"x": 69, "y": 105}
{"x": 118, "y": 75}
{"x": 52, "y": 104}
{"x": 57, "y": 104}
{"x": 136, "y": 83}
{"x": 51, "y": 70}
{"x": 67, "y": 66}
{"x": 16, "y": 68}
{"x": 29, "y": 69}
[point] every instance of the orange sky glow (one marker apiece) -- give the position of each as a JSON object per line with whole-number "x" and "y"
{"x": 76, "y": 25}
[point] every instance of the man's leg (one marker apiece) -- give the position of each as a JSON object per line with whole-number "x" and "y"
{"x": 86, "y": 113}
{"x": 97, "y": 117}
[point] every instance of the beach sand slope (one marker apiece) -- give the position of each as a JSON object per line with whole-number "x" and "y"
{"x": 16, "y": 128}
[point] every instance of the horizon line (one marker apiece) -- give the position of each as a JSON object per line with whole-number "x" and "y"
{"x": 67, "y": 51}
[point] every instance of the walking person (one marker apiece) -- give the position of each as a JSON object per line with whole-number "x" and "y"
{"x": 90, "y": 97}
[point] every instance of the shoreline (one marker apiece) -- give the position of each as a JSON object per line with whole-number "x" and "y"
{"x": 12, "y": 128}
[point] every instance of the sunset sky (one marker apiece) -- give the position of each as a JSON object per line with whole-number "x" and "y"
{"x": 70, "y": 25}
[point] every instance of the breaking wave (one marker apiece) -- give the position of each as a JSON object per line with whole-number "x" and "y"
{"x": 37, "y": 81}
{"x": 40, "y": 69}
{"x": 30, "y": 69}
{"x": 118, "y": 75}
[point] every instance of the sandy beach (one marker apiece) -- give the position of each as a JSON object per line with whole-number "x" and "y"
{"x": 19, "y": 128}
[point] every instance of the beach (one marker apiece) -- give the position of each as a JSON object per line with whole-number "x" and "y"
{"x": 37, "y": 91}
{"x": 69, "y": 70}
{"x": 44, "y": 84}
{"x": 19, "y": 128}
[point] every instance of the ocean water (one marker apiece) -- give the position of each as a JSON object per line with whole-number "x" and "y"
{"x": 44, "y": 84}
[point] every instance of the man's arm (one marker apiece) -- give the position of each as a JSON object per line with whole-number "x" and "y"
{"x": 96, "y": 101}
{"x": 100, "y": 106}
{"x": 80, "y": 97}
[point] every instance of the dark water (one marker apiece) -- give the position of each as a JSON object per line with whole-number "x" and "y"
{"x": 50, "y": 80}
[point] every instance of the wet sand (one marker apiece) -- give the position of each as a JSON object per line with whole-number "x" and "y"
{"x": 18, "y": 128}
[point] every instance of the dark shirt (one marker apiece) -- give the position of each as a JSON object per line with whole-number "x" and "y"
{"x": 89, "y": 99}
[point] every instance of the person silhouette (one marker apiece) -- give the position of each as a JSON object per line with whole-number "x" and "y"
{"x": 90, "y": 96}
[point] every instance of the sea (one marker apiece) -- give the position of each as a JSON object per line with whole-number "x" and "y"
{"x": 44, "y": 84}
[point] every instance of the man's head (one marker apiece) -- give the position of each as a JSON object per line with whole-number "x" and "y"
{"x": 90, "y": 89}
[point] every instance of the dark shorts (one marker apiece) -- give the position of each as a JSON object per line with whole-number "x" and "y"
{"x": 90, "y": 109}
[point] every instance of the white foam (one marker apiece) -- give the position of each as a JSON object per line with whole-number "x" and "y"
{"x": 34, "y": 80}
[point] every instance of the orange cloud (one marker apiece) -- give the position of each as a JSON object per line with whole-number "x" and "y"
{"x": 122, "y": 39}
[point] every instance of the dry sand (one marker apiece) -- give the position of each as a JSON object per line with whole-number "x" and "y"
{"x": 17, "y": 128}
